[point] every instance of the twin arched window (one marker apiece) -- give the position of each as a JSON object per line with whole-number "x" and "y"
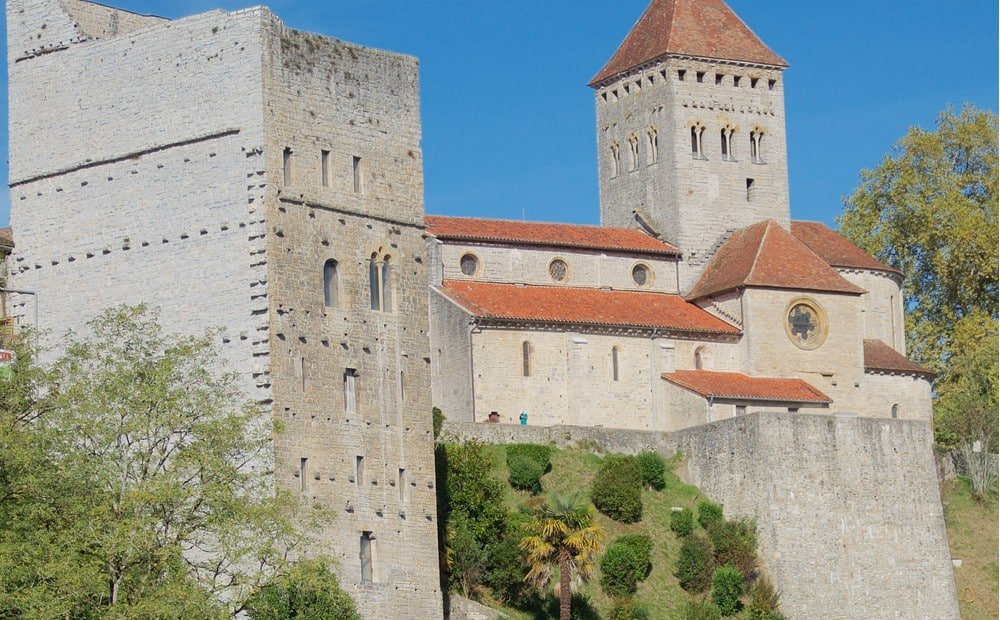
{"x": 380, "y": 282}
{"x": 757, "y": 146}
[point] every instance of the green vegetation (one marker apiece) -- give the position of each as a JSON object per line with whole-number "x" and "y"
{"x": 682, "y": 522}
{"x": 727, "y": 588}
{"x": 617, "y": 490}
{"x": 526, "y": 464}
{"x": 695, "y": 563}
{"x": 763, "y": 601}
{"x": 625, "y": 563}
{"x": 972, "y": 535}
{"x": 126, "y": 453}
{"x": 709, "y": 513}
{"x": 653, "y": 468}
{"x": 309, "y": 591}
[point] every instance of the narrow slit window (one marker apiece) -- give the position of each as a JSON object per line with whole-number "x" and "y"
{"x": 699, "y": 358}
{"x": 401, "y": 483}
{"x": 750, "y": 188}
{"x": 356, "y": 171}
{"x": 526, "y": 358}
{"x": 895, "y": 412}
{"x": 700, "y": 76}
{"x": 753, "y": 147}
{"x": 725, "y": 145}
{"x": 324, "y": 164}
{"x": 736, "y": 80}
{"x": 402, "y": 390}
{"x": 386, "y": 285}
{"x": 304, "y": 474}
{"x": 718, "y": 78}
{"x": 331, "y": 291}
{"x": 614, "y": 363}
{"x": 653, "y": 145}
{"x": 350, "y": 391}
{"x": 359, "y": 471}
{"x": 694, "y": 141}
{"x": 366, "y": 555}
{"x": 680, "y": 74}
{"x": 373, "y": 277}
{"x": 304, "y": 373}
{"x": 286, "y": 166}
{"x": 753, "y": 82}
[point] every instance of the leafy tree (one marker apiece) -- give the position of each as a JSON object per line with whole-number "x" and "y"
{"x": 653, "y": 468}
{"x": 727, "y": 588}
{"x": 308, "y": 591}
{"x": 565, "y": 535}
{"x": 625, "y": 563}
{"x": 695, "y": 563}
{"x": 929, "y": 209}
{"x": 143, "y": 492}
{"x": 617, "y": 488}
{"x": 709, "y": 513}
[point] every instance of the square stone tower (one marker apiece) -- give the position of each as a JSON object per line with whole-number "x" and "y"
{"x": 236, "y": 173}
{"x": 691, "y": 129}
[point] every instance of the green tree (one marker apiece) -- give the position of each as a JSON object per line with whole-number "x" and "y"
{"x": 308, "y": 591}
{"x": 563, "y": 535}
{"x": 146, "y": 492}
{"x": 929, "y": 209}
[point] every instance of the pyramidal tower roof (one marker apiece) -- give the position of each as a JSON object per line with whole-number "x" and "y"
{"x": 702, "y": 28}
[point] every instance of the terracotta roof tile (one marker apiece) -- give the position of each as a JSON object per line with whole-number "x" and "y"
{"x": 765, "y": 254}
{"x": 545, "y": 234}
{"x": 737, "y": 386}
{"x": 880, "y": 357}
{"x": 582, "y": 306}
{"x": 835, "y": 249}
{"x": 703, "y": 28}
{"x": 7, "y": 237}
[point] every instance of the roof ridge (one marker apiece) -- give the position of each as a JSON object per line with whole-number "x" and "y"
{"x": 760, "y": 247}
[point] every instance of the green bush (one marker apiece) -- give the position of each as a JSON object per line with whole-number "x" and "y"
{"x": 763, "y": 601}
{"x": 617, "y": 489}
{"x": 308, "y": 592}
{"x": 629, "y": 609}
{"x": 700, "y": 610}
{"x": 708, "y": 513}
{"x": 526, "y": 464}
{"x": 504, "y": 571}
{"x": 539, "y": 453}
{"x": 682, "y": 522}
{"x": 735, "y": 543}
{"x": 694, "y": 563}
{"x": 727, "y": 588}
{"x": 653, "y": 468}
{"x": 625, "y": 563}
{"x": 437, "y": 419}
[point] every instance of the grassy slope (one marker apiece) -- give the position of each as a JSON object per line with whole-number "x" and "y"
{"x": 572, "y": 471}
{"x": 972, "y": 536}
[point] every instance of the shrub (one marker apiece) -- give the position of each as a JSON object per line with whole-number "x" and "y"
{"x": 735, "y": 543}
{"x": 309, "y": 591}
{"x": 708, "y": 513}
{"x": 617, "y": 489}
{"x": 504, "y": 572}
{"x": 700, "y": 610}
{"x": 653, "y": 469}
{"x": 682, "y": 522}
{"x": 694, "y": 563}
{"x": 467, "y": 559}
{"x": 437, "y": 417}
{"x": 625, "y": 563}
{"x": 727, "y": 588}
{"x": 763, "y": 600}
{"x": 526, "y": 464}
{"x": 629, "y": 609}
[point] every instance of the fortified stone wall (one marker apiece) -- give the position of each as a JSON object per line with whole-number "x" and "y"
{"x": 848, "y": 510}
{"x": 451, "y": 363}
{"x": 351, "y": 378}
{"x": 911, "y": 394}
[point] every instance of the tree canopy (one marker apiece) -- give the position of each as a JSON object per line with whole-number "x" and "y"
{"x": 134, "y": 482}
{"x": 929, "y": 209}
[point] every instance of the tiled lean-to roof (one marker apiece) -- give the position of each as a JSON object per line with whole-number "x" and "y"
{"x": 880, "y": 357}
{"x": 767, "y": 255}
{"x": 737, "y": 386}
{"x": 545, "y": 234}
{"x": 702, "y": 28}
{"x": 582, "y": 306}
{"x": 835, "y": 249}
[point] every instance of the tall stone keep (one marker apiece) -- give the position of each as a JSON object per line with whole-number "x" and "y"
{"x": 691, "y": 129}
{"x": 235, "y": 173}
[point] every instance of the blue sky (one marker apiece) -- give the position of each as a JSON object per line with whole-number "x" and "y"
{"x": 508, "y": 119}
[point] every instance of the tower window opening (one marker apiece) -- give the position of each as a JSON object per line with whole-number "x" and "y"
{"x": 680, "y": 74}
{"x": 401, "y": 483}
{"x": 633, "y": 152}
{"x": 736, "y": 80}
{"x": 303, "y": 471}
{"x": 753, "y": 82}
{"x": 663, "y": 74}
{"x": 718, "y": 78}
{"x": 757, "y": 146}
{"x": 726, "y": 136}
{"x": 697, "y": 134}
{"x": 604, "y": 96}
{"x": 373, "y": 278}
{"x": 526, "y": 359}
{"x": 614, "y": 364}
{"x": 750, "y": 190}
{"x": 386, "y": 285}
{"x": 725, "y": 145}
{"x": 359, "y": 470}
{"x": 700, "y": 76}
{"x": 350, "y": 391}
{"x": 357, "y": 172}
{"x": 616, "y": 159}
{"x": 771, "y": 84}
{"x": 651, "y": 78}
{"x": 330, "y": 286}
{"x": 699, "y": 358}
{"x": 367, "y": 555}
{"x": 653, "y": 145}
{"x": 286, "y": 166}
{"x": 894, "y": 412}
{"x": 324, "y": 165}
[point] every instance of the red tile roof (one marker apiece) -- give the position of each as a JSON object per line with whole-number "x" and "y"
{"x": 836, "y": 250}
{"x": 540, "y": 233}
{"x": 583, "y": 306}
{"x": 703, "y": 28}
{"x": 880, "y": 357}
{"x": 765, "y": 254}
{"x": 7, "y": 237}
{"x": 737, "y": 386}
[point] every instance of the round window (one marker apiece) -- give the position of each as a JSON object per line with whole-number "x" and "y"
{"x": 469, "y": 264}
{"x": 559, "y": 270}
{"x": 640, "y": 274}
{"x": 805, "y": 324}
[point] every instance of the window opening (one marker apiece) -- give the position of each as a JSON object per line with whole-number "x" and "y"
{"x": 350, "y": 391}
{"x": 653, "y": 145}
{"x": 386, "y": 285}
{"x": 359, "y": 470}
{"x": 895, "y": 412}
{"x": 401, "y": 483}
{"x": 700, "y": 76}
{"x": 741, "y": 409}
{"x": 697, "y": 137}
{"x": 402, "y": 391}
{"x": 694, "y": 141}
{"x": 367, "y": 542}
{"x": 725, "y": 145}
{"x": 356, "y": 168}
{"x": 303, "y": 471}
{"x": 558, "y": 270}
{"x": 324, "y": 162}
{"x": 736, "y": 80}
{"x": 753, "y": 82}
{"x": 640, "y": 275}
{"x": 303, "y": 373}
{"x": 373, "y": 290}
{"x": 699, "y": 358}
{"x": 680, "y": 74}
{"x": 526, "y": 358}
{"x": 793, "y": 410}
{"x": 633, "y": 152}
{"x": 469, "y": 264}
{"x": 616, "y": 159}
{"x": 771, "y": 83}
{"x": 749, "y": 190}
{"x": 331, "y": 291}
{"x": 286, "y": 166}
{"x": 718, "y": 78}
{"x": 614, "y": 363}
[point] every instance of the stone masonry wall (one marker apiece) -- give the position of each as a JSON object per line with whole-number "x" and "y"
{"x": 451, "y": 358}
{"x": 330, "y": 102}
{"x": 848, "y": 509}
{"x": 881, "y": 307}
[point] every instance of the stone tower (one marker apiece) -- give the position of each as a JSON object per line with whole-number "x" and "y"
{"x": 691, "y": 129}
{"x": 235, "y": 173}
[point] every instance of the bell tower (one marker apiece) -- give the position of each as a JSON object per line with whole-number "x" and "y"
{"x": 691, "y": 129}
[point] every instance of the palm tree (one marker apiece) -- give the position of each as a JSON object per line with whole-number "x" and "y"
{"x": 564, "y": 534}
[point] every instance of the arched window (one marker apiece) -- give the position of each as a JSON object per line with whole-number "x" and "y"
{"x": 694, "y": 141}
{"x": 526, "y": 358}
{"x": 330, "y": 286}
{"x": 895, "y": 411}
{"x": 653, "y": 145}
{"x": 373, "y": 290}
{"x": 757, "y": 146}
{"x": 616, "y": 159}
{"x": 697, "y": 136}
{"x": 386, "y": 285}
{"x": 633, "y": 152}
{"x": 614, "y": 363}
{"x": 725, "y": 145}
{"x": 699, "y": 358}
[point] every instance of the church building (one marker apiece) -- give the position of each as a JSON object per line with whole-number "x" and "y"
{"x": 698, "y": 298}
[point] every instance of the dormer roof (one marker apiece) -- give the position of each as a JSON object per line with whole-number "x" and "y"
{"x": 768, "y": 256}
{"x": 702, "y": 28}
